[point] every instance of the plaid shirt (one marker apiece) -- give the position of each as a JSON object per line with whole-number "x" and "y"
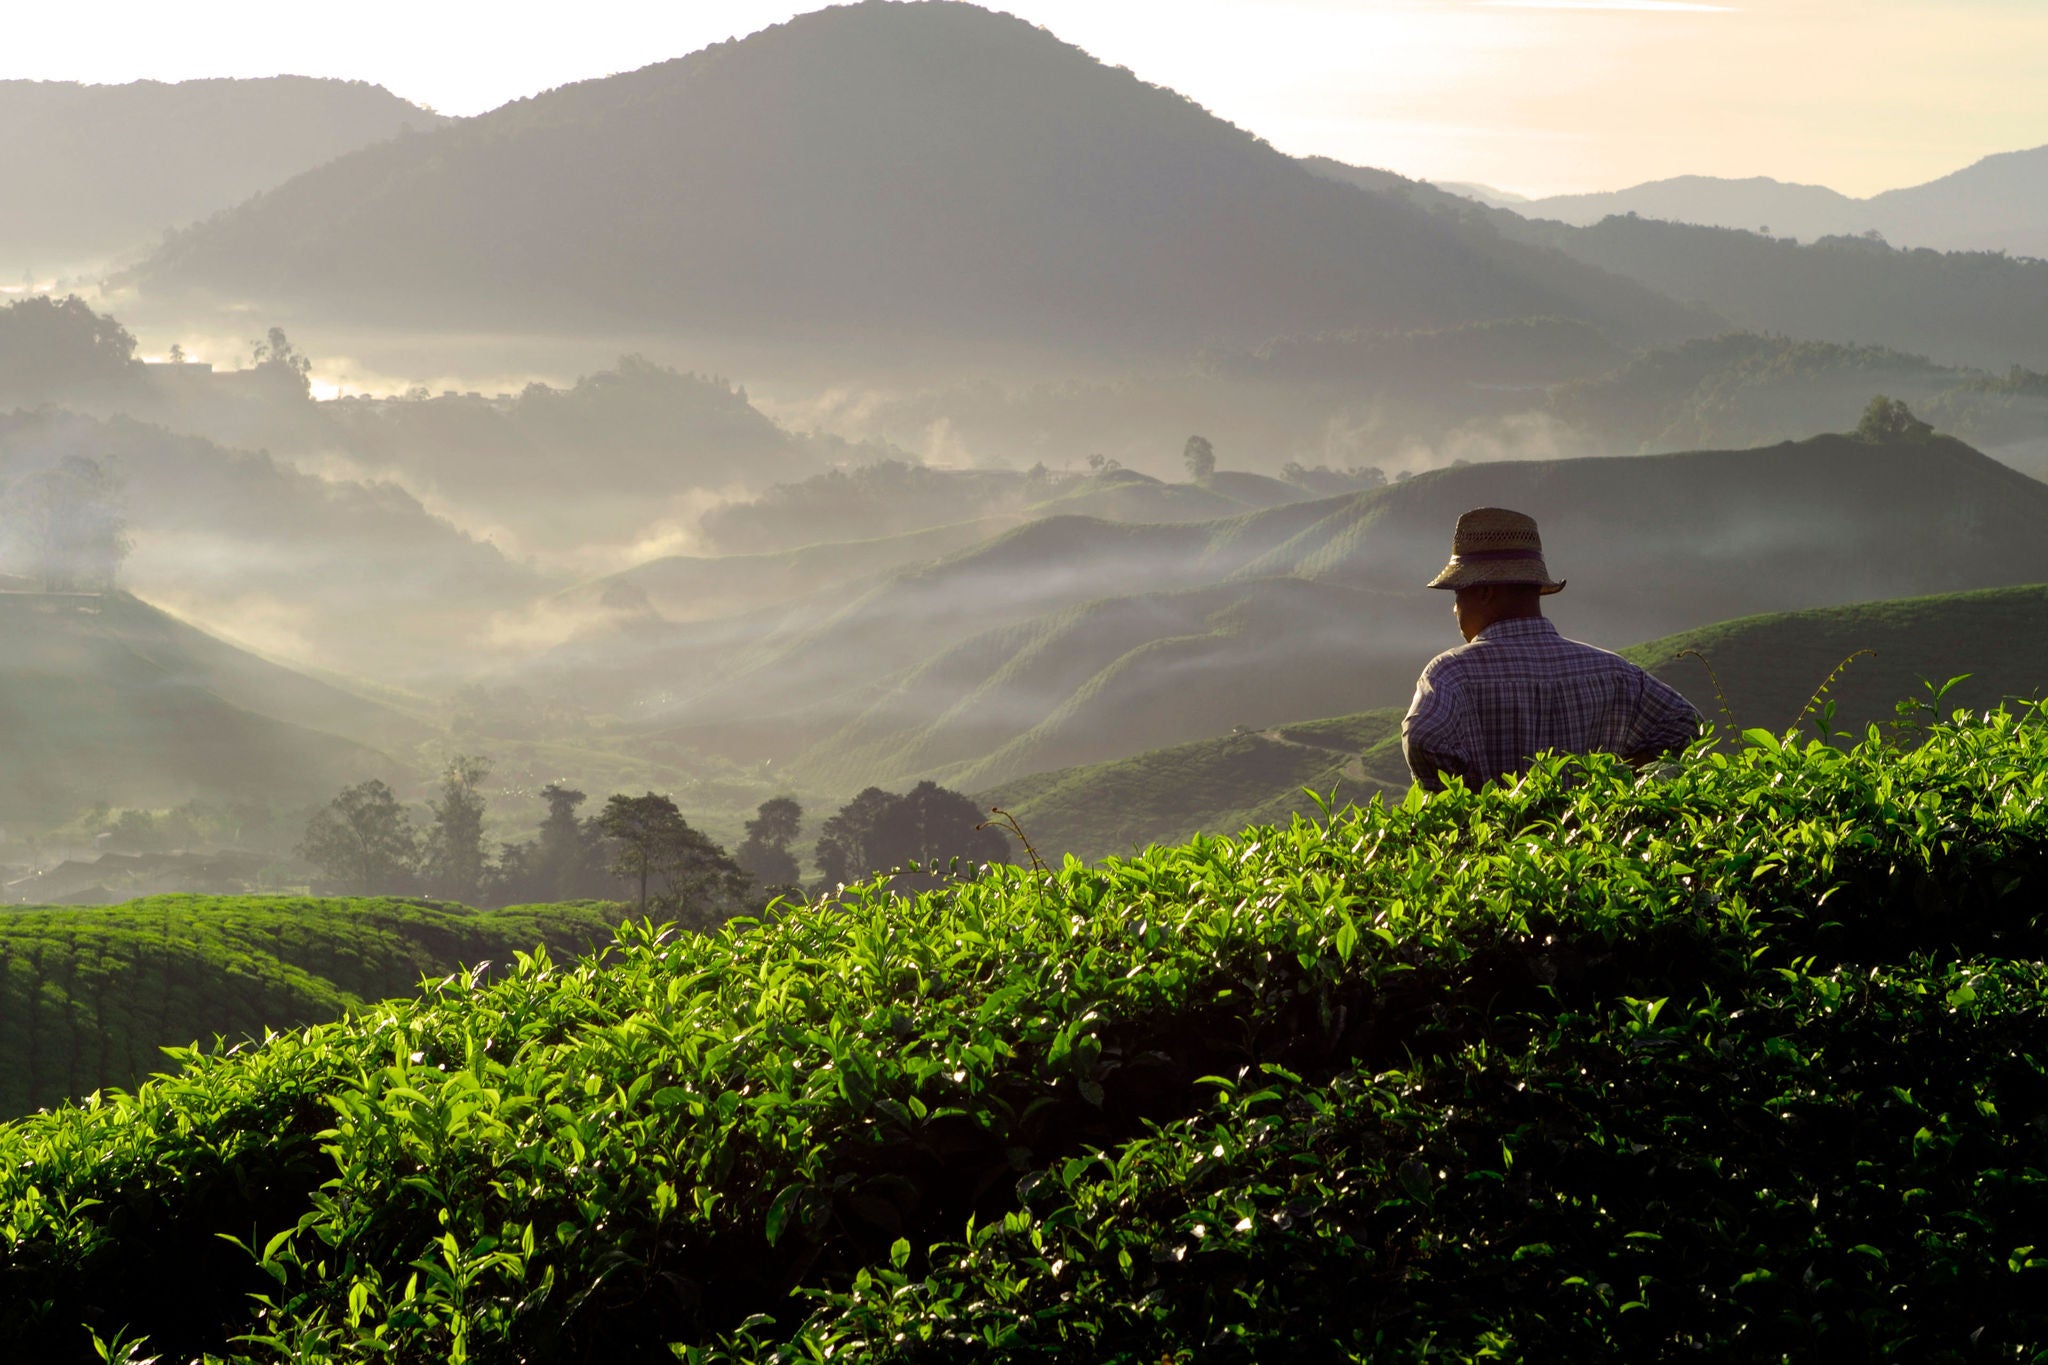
{"x": 1486, "y": 708}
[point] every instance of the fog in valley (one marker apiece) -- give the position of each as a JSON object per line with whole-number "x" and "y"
{"x": 897, "y": 395}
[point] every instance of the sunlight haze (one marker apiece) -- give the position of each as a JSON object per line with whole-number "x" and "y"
{"x": 1533, "y": 96}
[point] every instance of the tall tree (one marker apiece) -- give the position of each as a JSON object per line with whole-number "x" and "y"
{"x": 693, "y": 877}
{"x": 881, "y": 832}
{"x": 844, "y": 841}
{"x": 455, "y": 858}
{"x": 935, "y": 828}
{"x": 569, "y": 858}
{"x": 764, "y": 854}
{"x": 1200, "y": 457}
{"x": 363, "y": 839}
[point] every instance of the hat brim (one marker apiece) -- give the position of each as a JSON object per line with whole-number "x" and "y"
{"x": 1529, "y": 572}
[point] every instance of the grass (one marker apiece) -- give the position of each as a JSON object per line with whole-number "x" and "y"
{"x": 1739, "y": 1059}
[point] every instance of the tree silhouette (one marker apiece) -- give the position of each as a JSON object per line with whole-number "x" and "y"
{"x": 657, "y": 848}
{"x": 931, "y": 826}
{"x": 1200, "y": 458}
{"x": 362, "y": 839}
{"x": 765, "y": 855}
{"x": 455, "y": 860}
{"x": 1889, "y": 419}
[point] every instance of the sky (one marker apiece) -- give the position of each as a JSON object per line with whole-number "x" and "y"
{"x": 1532, "y": 96}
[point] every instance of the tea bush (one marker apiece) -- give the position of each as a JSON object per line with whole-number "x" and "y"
{"x": 1739, "y": 1058}
{"x": 89, "y": 995}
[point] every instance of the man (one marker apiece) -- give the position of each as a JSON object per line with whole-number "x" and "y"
{"x": 1517, "y": 688}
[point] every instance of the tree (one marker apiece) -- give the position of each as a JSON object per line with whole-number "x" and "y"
{"x": 1889, "y": 419}
{"x": 275, "y": 355}
{"x": 455, "y": 858}
{"x": 765, "y": 855}
{"x": 934, "y": 827}
{"x": 363, "y": 840}
{"x": 844, "y": 839}
{"x": 1200, "y": 458}
{"x": 695, "y": 879}
{"x": 51, "y": 346}
{"x": 569, "y": 855}
{"x": 931, "y": 826}
{"x": 177, "y": 353}
{"x": 67, "y": 526}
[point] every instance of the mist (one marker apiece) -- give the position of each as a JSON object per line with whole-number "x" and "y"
{"x": 1030, "y": 418}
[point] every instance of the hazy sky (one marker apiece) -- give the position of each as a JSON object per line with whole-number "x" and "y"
{"x": 1540, "y": 96}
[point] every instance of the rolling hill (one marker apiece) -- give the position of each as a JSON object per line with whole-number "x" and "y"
{"x": 89, "y": 997}
{"x": 102, "y": 169}
{"x": 1770, "y": 667}
{"x": 353, "y": 576}
{"x": 922, "y": 174}
{"x": 1070, "y": 640}
{"x": 105, "y": 698}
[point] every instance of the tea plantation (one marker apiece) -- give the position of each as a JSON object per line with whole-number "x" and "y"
{"x": 90, "y": 995}
{"x": 1739, "y": 1060}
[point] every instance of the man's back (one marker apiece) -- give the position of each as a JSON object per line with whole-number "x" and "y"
{"x": 1519, "y": 688}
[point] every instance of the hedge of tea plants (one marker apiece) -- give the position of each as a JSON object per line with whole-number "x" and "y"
{"x": 1741, "y": 1059}
{"x": 90, "y": 995}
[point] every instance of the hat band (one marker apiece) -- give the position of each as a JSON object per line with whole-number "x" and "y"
{"x": 1489, "y": 556}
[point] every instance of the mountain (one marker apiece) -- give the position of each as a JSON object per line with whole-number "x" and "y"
{"x": 99, "y": 169}
{"x": 1071, "y": 640}
{"x": 918, "y": 172}
{"x": 1997, "y": 204}
{"x": 1756, "y": 204}
{"x": 106, "y": 698}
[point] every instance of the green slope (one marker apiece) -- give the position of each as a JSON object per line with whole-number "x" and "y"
{"x": 1739, "y": 1063}
{"x": 1769, "y": 667}
{"x": 105, "y": 698}
{"x": 90, "y": 995}
{"x": 1204, "y": 787}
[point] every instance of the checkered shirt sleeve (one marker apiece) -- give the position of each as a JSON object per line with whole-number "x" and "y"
{"x": 1486, "y": 709}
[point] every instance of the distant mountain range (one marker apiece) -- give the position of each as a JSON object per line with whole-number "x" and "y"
{"x": 1997, "y": 204}
{"x": 899, "y": 173}
{"x": 93, "y": 170}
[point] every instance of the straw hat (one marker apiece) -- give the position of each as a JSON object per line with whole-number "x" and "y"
{"x": 1494, "y": 545}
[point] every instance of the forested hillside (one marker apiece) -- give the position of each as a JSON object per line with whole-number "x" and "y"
{"x": 916, "y": 176}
